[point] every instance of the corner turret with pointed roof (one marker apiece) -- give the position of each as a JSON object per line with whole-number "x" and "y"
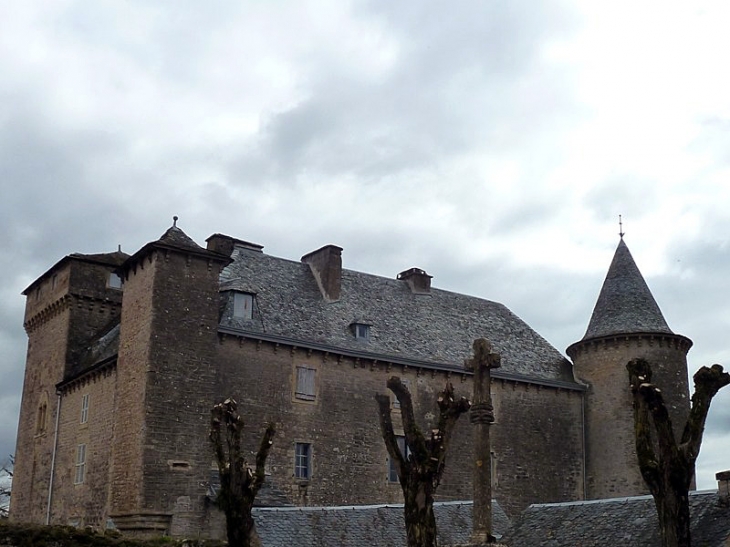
{"x": 626, "y": 323}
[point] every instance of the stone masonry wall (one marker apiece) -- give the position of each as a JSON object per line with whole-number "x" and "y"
{"x": 181, "y": 382}
{"x": 537, "y": 438}
{"x": 132, "y": 377}
{"x": 611, "y": 463}
{"x": 86, "y": 503}
{"x": 74, "y": 294}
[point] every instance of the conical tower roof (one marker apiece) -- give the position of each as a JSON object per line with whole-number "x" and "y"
{"x": 625, "y": 304}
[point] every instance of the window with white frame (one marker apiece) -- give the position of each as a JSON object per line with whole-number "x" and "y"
{"x": 306, "y": 387}
{"x": 85, "y": 408}
{"x": 303, "y": 460}
{"x": 80, "y": 464}
{"x": 242, "y": 305}
{"x": 405, "y": 452}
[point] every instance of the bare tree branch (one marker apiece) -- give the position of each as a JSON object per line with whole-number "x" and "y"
{"x": 420, "y": 473}
{"x": 669, "y": 473}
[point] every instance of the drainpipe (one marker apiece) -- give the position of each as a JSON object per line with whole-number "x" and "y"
{"x": 53, "y": 457}
{"x": 583, "y": 441}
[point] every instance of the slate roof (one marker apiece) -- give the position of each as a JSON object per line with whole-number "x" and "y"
{"x": 437, "y": 328}
{"x": 356, "y": 526}
{"x": 625, "y": 303}
{"x": 623, "y": 521}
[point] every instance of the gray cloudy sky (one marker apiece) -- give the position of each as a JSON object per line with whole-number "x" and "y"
{"x": 493, "y": 144}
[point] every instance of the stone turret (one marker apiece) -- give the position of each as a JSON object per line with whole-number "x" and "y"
{"x": 65, "y": 307}
{"x": 166, "y": 377}
{"x": 626, "y": 323}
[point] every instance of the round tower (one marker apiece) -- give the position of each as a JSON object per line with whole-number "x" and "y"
{"x": 626, "y": 324}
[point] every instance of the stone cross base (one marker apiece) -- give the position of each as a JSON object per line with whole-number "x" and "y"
{"x": 478, "y": 545}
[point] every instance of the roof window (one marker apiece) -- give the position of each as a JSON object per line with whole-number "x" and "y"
{"x": 361, "y": 331}
{"x": 242, "y": 305}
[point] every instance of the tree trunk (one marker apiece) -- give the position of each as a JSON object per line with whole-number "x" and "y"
{"x": 418, "y": 513}
{"x": 241, "y": 529}
{"x": 239, "y": 483}
{"x": 673, "y": 512}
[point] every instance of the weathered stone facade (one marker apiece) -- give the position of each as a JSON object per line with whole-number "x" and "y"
{"x": 137, "y": 372}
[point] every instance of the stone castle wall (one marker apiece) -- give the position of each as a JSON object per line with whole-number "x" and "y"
{"x": 611, "y": 462}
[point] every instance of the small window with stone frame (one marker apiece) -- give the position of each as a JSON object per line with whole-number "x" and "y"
{"x": 80, "y": 464}
{"x": 303, "y": 461}
{"x": 114, "y": 281}
{"x": 40, "y": 427}
{"x": 306, "y": 387}
{"x": 84, "y": 408}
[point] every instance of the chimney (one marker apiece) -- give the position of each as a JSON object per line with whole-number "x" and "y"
{"x": 224, "y": 244}
{"x": 326, "y": 265}
{"x": 418, "y": 280}
{"x": 723, "y": 486}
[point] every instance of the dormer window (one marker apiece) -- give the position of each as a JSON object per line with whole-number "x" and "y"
{"x": 242, "y": 305}
{"x": 361, "y": 331}
{"x": 114, "y": 281}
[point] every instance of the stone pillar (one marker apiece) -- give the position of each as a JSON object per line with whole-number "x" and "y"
{"x": 482, "y": 416}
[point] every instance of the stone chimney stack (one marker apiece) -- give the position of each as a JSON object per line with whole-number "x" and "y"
{"x": 223, "y": 244}
{"x": 326, "y": 265}
{"x": 723, "y": 486}
{"x": 418, "y": 280}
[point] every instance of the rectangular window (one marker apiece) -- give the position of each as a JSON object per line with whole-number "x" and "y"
{"x": 361, "y": 331}
{"x": 303, "y": 460}
{"x": 242, "y": 305}
{"x": 305, "y": 389}
{"x": 80, "y": 464}
{"x": 114, "y": 281}
{"x": 85, "y": 408}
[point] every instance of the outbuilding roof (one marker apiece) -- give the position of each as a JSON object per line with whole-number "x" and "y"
{"x": 359, "y": 525}
{"x": 630, "y": 522}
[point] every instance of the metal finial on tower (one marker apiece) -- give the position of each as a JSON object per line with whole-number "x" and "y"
{"x": 620, "y": 227}
{"x": 174, "y": 221}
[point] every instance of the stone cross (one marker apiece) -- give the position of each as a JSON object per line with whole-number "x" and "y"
{"x": 482, "y": 416}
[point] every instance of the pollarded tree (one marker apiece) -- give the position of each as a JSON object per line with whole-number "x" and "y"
{"x": 668, "y": 466}
{"x": 420, "y": 470}
{"x": 239, "y": 483}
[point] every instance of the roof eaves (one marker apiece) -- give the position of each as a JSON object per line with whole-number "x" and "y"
{"x": 415, "y": 363}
